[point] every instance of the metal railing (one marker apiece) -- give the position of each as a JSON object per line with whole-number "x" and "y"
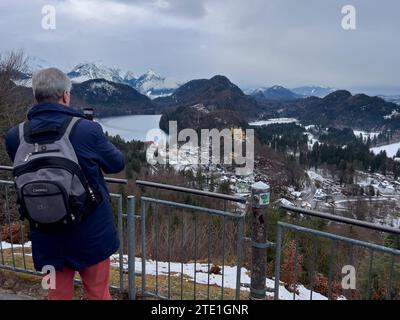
{"x": 180, "y": 249}
{"x": 339, "y": 252}
{"x": 171, "y": 282}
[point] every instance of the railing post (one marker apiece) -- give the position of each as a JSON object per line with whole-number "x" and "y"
{"x": 131, "y": 247}
{"x": 278, "y": 261}
{"x": 239, "y": 257}
{"x": 143, "y": 237}
{"x": 121, "y": 246}
{"x": 260, "y": 194}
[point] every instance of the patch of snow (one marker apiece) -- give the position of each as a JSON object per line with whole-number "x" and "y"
{"x": 273, "y": 121}
{"x": 286, "y": 202}
{"x": 315, "y": 176}
{"x": 6, "y": 245}
{"x": 200, "y": 107}
{"x": 394, "y": 114}
{"x": 109, "y": 88}
{"x": 365, "y": 135}
{"x": 391, "y": 149}
{"x": 202, "y": 275}
{"x": 319, "y": 194}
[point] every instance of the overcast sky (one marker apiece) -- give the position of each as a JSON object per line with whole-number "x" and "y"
{"x": 253, "y": 42}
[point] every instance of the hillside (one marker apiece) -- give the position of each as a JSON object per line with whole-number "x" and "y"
{"x": 342, "y": 109}
{"x": 208, "y": 103}
{"x": 217, "y": 93}
{"x": 110, "y": 98}
{"x": 201, "y": 117}
{"x": 274, "y": 93}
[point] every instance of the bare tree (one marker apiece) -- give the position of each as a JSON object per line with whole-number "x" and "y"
{"x": 14, "y": 99}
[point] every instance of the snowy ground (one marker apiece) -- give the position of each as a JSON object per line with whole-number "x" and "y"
{"x": 391, "y": 149}
{"x": 273, "y": 121}
{"x": 6, "y": 245}
{"x": 366, "y": 135}
{"x": 312, "y": 139}
{"x": 215, "y": 279}
{"x": 201, "y": 275}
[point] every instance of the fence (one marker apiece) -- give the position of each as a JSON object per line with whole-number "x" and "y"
{"x": 355, "y": 288}
{"x": 197, "y": 215}
{"x": 180, "y": 249}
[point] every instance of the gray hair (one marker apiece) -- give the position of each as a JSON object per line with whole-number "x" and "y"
{"x": 49, "y": 85}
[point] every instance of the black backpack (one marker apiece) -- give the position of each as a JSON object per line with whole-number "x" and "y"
{"x": 51, "y": 188}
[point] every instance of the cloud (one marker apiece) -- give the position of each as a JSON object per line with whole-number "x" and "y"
{"x": 253, "y": 42}
{"x": 183, "y": 8}
{"x": 191, "y": 9}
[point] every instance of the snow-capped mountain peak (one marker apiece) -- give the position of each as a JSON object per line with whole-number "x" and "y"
{"x": 94, "y": 70}
{"x": 150, "y": 78}
{"x": 151, "y": 74}
{"x": 153, "y": 85}
{"x": 150, "y": 83}
{"x": 129, "y": 76}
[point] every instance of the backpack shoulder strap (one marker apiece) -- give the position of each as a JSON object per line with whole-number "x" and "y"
{"x": 21, "y": 132}
{"x": 71, "y": 126}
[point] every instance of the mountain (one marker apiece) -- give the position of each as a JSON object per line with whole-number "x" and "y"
{"x": 90, "y": 71}
{"x": 201, "y": 117}
{"x": 313, "y": 91}
{"x": 392, "y": 98}
{"x": 342, "y": 109}
{"x": 154, "y": 85}
{"x": 110, "y": 98}
{"x": 129, "y": 78}
{"x": 215, "y": 93}
{"x": 274, "y": 93}
{"x": 207, "y": 103}
{"x": 150, "y": 83}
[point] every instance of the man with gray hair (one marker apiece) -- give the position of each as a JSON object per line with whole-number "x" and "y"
{"x": 85, "y": 247}
{"x": 51, "y": 85}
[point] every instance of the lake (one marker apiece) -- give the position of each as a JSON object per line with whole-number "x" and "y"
{"x": 133, "y": 127}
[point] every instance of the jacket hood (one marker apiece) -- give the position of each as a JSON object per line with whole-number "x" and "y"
{"x": 53, "y": 108}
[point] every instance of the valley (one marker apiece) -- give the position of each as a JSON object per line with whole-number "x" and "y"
{"x": 302, "y": 135}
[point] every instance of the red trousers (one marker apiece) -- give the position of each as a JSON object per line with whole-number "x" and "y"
{"x": 95, "y": 281}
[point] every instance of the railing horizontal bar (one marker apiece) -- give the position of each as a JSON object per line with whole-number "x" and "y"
{"x": 20, "y": 270}
{"x": 6, "y": 182}
{"x": 115, "y": 180}
{"x": 115, "y": 195}
{"x": 340, "y": 238}
{"x": 354, "y": 222}
{"x": 153, "y": 295}
{"x": 192, "y": 191}
{"x": 109, "y": 180}
{"x": 194, "y": 208}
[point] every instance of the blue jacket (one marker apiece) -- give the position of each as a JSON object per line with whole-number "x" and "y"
{"x": 95, "y": 238}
